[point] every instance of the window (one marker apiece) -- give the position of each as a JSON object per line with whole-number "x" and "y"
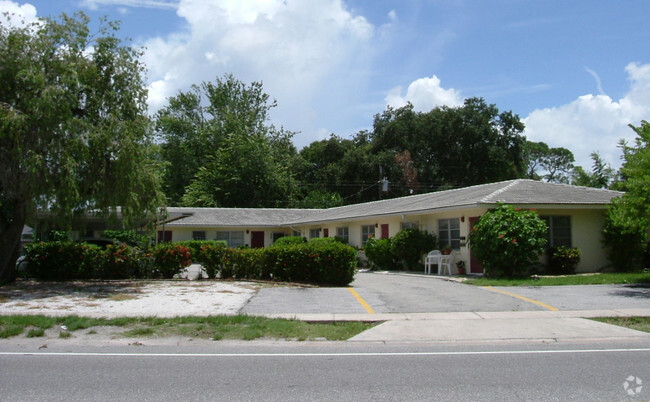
{"x": 559, "y": 230}
{"x": 314, "y": 233}
{"x": 198, "y": 235}
{"x": 367, "y": 231}
{"x": 344, "y": 234}
{"x": 234, "y": 239}
{"x": 449, "y": 233}
{"x": 409, "y": 225}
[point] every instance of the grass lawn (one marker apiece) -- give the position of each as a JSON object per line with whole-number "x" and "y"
{"x": 215, "y": 327}
{"x": 588, "y": 279}
{"x": 638, "y": 323}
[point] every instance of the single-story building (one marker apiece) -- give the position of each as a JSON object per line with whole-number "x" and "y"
{"x": 574, "y": 216}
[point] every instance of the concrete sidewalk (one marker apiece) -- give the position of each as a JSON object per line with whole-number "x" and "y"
{"x": 488, "y": 326}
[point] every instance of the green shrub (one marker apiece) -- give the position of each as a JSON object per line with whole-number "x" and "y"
{"x": 120, "y": 261}
{"x": 410, "y": 244}
{"x": 287, "y": 240}
{"x": 563, "y": 260}
{"x": 324, "y": 262}
{"x": 379, "y": 254}
{"x": 211, "y": 257}
{"x": 61, "y": 260}
{"x": 171, "y": 259}
{"x": 508, "y": 241}
{"x": 130, "y": 237}
{"x": 625, "y": 246}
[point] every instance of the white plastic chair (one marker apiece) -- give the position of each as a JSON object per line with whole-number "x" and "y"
{"x": 431, "y": 259}
{"x": 446, "y": 263}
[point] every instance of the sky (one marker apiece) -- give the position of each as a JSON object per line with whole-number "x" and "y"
{"x": 576, "y": 72}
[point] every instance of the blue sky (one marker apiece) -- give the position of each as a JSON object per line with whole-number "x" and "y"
{"x": 577, "y": 72}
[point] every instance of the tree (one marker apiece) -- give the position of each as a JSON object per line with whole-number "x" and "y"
{"x": 220, "y": 150}
{"x": 534, "y": 154}
{"x": 630, "y": 214}
{"x": 74, "y": 135}
{"x": 558, "y": 164}
{"x": 601, "y": 176}
{"x": 451, "y": 146}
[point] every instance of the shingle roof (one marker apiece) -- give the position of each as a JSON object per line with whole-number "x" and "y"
{"x": 222, "y": 217}
{"x": 516, "y": 192}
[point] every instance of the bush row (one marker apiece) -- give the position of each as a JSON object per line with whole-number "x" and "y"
{"x": 323, "y": 261}
{"x": 65, "y": 260}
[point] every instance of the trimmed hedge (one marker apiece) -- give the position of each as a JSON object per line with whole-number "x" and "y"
{"x": 323, "y": 261}
{"x": 62, "y": 260}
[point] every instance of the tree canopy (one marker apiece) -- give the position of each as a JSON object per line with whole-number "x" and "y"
{"x": 220, "y": 149}
{"x": 74, "y": 134}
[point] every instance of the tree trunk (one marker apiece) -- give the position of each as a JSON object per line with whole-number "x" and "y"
{"x": 10, "y": 234}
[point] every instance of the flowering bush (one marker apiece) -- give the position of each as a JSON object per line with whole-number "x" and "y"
{"x": 508, "y": 241}
{"x": 120, "y": 261}
{"x": 171, "y": 259}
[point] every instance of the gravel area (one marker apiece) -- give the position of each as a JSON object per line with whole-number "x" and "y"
{"x": 126, "y": 298}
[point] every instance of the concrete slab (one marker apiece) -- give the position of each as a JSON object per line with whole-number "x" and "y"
{"x": 497, "y": 329}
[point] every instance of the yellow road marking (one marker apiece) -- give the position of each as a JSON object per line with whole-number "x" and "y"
{"x": 539, "y": 303}
{"x": 361, "y": 301}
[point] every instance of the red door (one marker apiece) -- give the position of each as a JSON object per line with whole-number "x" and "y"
{"x": 384, "y": 230}
{"x": 257, "y": 239}
{"x": 326, "y": 232}
{"x": 474, "y": 264}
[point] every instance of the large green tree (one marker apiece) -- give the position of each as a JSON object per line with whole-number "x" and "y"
{"x": 451, "y": 146}
{"x": 632, "y": 210}
{"x": 74, "y": 135}
{"x": 220, "y": 149}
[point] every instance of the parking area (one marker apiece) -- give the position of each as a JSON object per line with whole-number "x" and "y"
{"x": 401, "y": 293}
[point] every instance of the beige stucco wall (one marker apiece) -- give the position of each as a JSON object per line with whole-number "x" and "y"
{"x": 586, "y": 229}
{"x": 183, "y": 234}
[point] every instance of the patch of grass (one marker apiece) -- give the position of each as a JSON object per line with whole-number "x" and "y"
{"x": 240, "y": 327}
{"x": 7, "y": 331}
{"x": 35, "y": 333}
{"x": 139, "y": 331}
{"x": 587, "y": 279}
{"x": 638, "y": 323}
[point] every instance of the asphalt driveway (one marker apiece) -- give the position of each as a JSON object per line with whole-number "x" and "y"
{"x": 385, "y": 293}
{"x": 402, "y": 293}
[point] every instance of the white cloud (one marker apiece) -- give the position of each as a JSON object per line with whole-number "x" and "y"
{"x": 19, "y": 15}
{"x": 594, "y": 122}
{"x": 425, "y": 94}
{"x": 311, "y": 56}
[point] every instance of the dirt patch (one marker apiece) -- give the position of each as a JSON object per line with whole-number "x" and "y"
{"x": 126, "y": 298}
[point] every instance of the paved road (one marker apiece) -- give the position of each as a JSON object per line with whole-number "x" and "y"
{"x": 396, "y": 293}
{"x": 329, "y": 371}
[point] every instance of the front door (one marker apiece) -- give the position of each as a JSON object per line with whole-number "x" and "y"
{"x": 384, "y": 231}
{"x": 257, "y": 239}
{"x": 474, "y": 264}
